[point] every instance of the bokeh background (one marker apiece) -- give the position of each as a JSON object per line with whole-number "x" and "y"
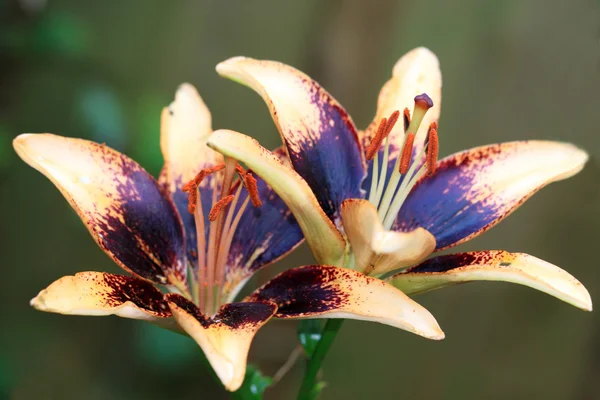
{"x": 103, "y": 71}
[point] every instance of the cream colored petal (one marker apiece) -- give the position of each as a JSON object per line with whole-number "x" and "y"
{"x": 319, "y": 136}
{"x": 226, "y": 337}
{"x": 473, "y": 190}
{"x": 185, "y": 128}
{"x": 517, "y": 268}
{"x": 376, "y": 250}
{"x": 123, "y": 207}
{"x": 100, "y": 294}
{"x": 322, "y": 291}
{"x": 417, "y": 72}
{"x": 324, "y": 239}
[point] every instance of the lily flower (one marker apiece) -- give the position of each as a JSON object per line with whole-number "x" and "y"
{"x": 200, "y": 247}
{"x": 379, "y": 201}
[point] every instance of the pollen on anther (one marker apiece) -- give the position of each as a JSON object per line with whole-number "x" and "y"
{"x": 406, "y": 153}
{"x": 391, "y": 122}
{"x": 377, "y": 140}
{"x": 252, "y": 189}
{"x": 432, "y": 151}
{"x": 192, "y": 200}
{"x": 406, "y": 119}
{"x": 219, "y": 206}
{"x": 240, "y": 170}
{"x": 192, "y": 186}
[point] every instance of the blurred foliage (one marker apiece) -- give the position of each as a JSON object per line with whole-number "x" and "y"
{"x": 60, "y": 33}
{"x": 309, "y": 334}
{"x": 255, "y": 384}
{"x": 104, "y": 70}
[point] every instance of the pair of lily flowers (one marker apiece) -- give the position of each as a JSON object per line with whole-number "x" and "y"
{"x": 373, "y": 205}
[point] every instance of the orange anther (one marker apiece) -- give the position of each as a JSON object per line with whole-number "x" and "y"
{"x": 391, "y": 122}
{"x": 192, "y": 186}
{"x": 192, "y": 200}
{"x": 240, "y": 170}
{"x": 377, "y": 139}
{"x": 252, "y": 188}
{"x": 219, "y": 206}
{"x": 432, "y": 151}
{"x": 383, "y": 130}
{"x": 406, "y": 153}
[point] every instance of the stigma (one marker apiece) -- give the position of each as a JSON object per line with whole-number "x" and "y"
{"x": 416, "y": 158}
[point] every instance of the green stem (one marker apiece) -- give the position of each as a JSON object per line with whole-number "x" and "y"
{"x": 314, "y": 363}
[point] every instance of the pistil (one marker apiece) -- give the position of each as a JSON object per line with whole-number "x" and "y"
{"x": 408, "y": 168}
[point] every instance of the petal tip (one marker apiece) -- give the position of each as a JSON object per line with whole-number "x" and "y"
{"x": 424, "y": 324}
{"x": 20, "y": 143}
{"x": 230, "y": 67}
{"x": 421, "y": 56}
{"x": 226, "y": 372}
{"x": 583, "y": 300}
{"x": 37, "y": 303}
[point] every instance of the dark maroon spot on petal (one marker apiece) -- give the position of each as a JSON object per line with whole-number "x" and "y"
{"x": 233, "y": 315}
{"x": 246, "y": 314}
{"x": 187, "y": 306}
{"x": 452, "y": 261}
{"x": 305, "y": 290}
{"x": 141, "y": 293}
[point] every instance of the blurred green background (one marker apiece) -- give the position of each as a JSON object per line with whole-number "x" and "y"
{"x": 103, "y": 71}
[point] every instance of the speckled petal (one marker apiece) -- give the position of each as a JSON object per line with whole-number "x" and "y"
{"x": 473, "y": 190}
{"x": 226, "y": 337}
{"x": 376, "y": 250}
{"x": 320, "y": 137}
{"x": 122, "y": 206}
{"x": 320, "y": 291}
{"x": 99, "y": 294}
{"x": 495, "y": 265}
{"x": 324, "y": 239}
{"x": 417, "y": 72}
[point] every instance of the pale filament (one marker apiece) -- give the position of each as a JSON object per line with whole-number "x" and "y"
{"x": 207, "y": 290}
{"x": 399, "y": 185}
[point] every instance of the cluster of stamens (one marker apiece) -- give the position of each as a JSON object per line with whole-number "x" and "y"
{"x": 409, "y": 167}
{"x": 208, "y": 276}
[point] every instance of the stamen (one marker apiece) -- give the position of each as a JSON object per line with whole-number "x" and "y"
{"x": 192, "y": 186}
{"x": 377, "y": 139}
{"x": 240, "y": 171}
{"x": 432, "y": 151}
{"x": 406, "y": 153}
{"x": 192, "y": 199}
{"x": 406, "y": 119}
{"x": 252, "y": 189}
{"x": 219, "y": 206}
{"x": 391, "y": 122}
{"x": 422, "y": 103}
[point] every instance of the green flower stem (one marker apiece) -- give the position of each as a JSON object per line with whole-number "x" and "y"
{"x": 330, "y": 331}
